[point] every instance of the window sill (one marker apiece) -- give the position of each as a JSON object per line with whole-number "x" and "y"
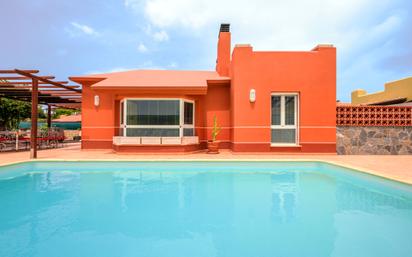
{"x": 285, "y": 145}
{"x": 159, "y": 141}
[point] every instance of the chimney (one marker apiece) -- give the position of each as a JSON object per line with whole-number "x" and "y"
{"x": 223, "y": 50}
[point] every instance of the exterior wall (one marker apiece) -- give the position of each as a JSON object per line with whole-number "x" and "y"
{"x": 245, "y": 126}
{"x": 223, "y": 54}
{"x": 311, "y": 74}
{"x": 374, "y": 140}
{"x": 98, "y": 123}
{"x": 374, "y": 129}
{"x": 217, "y": 102}
{"x": 393, "y": 90}
{"x": 101, "y": 123}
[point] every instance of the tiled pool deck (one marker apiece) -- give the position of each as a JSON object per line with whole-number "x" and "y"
{"x": 396, "y": 167}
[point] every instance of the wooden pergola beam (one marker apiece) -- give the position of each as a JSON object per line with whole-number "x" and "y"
{"x": 10, "y": 83}
{"x": 59, "y": 92}
{"x": 40, "y": 86}
{"x": 44, "y": 101}
{"x": 36, "y": 89}
{"x": 14, "y": 71}
{"x": 43, "y": 97}
{"x": 23, "y": 73}
{"x": 66, "y": 106}
{"x": 25, "y": 78}
{"x": 40, "y": 94}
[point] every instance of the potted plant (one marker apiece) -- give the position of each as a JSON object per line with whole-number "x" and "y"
{"x": 213, "y": 145}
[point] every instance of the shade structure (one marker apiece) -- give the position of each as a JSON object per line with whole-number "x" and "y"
{"x": 24, "y": 85}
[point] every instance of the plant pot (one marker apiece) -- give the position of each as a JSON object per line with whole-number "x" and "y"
{"x": 213, "y": 147}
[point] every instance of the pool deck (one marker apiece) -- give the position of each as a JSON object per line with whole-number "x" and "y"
{"x": 395, "y": 167}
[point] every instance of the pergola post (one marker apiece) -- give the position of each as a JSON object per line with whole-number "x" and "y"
{"x": 34, "y": 114}
{"x": 48, "y": 116}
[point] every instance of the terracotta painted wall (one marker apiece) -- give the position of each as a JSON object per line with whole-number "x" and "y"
{"x": 217, "y": 102}
{"x": 101, "y": 123}
{"x": 223, "y": 54}
{"x": 98, "y": 123}
{"x": 312, "y": 74}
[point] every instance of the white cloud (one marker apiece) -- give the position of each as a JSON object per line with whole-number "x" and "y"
{"x": 142, "y": 48}
{"x": 292, "y": 24}
{"x": 160, "y": 36}
{"x": 148, "y": 65}
{"x": 133, "y": 4}
{"x": 84, "y": 29}
{"x": 356, "y": 27}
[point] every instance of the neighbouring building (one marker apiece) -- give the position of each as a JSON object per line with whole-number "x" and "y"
{"x": 264, "y": 101}
{"x": 397, "y": 92}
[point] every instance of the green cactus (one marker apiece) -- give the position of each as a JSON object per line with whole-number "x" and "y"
{"x": 216, "y": 129}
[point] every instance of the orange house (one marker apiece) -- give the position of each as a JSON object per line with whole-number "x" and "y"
{"x": 264, "y": 101}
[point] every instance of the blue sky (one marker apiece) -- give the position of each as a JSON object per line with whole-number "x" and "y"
{"x": 64, "y": 38}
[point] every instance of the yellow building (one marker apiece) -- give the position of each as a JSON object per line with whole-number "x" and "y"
{"x": 396, "y": 92}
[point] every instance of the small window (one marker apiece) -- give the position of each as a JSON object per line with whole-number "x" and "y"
{"x": 188, "y": 113}
{"x": 284, "y": 119}
{"x": 121, "y": 113}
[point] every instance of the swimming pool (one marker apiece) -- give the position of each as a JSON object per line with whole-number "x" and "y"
{"x": 238, "y": 209}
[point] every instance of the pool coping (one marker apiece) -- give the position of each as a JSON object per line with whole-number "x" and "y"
{"x": 351, "y": 167}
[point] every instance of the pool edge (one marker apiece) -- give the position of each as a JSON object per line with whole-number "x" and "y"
{"x": 351, "y": 167}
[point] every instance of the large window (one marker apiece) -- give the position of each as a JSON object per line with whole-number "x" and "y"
{"x": 284, "y": 119}
{"x": 157, "y": 117}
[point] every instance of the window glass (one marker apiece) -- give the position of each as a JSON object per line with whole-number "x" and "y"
{"x": 152, "y": 132}
{"x": 121, "y": 113}
{"x": 188, "y": 113}
{"x": 188, "y": 132}
{"x": 153, "y": 112}
{"x": 289, "y": 110}
{"x": 283, "y": 136}
{"x": 276, "y": 110}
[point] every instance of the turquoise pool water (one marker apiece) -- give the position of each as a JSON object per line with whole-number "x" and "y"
{"x": 195, "y": 209}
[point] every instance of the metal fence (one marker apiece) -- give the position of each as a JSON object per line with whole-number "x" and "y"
{"x": 20, "y": 140}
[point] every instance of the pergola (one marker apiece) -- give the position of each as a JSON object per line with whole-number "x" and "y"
{"x": 23, "y": 85}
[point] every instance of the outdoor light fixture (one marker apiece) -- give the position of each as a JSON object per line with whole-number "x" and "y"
{"x": 96, "y": 100}
{"x": 252, "y": 95}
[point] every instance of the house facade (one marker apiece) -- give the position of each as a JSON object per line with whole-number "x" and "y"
{"x": 264, "y": 101}
{"x": 397, "y": 92}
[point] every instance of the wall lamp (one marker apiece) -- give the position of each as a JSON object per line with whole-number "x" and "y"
{"x": 96, "y": 100}
{"x": 252, "y": 95}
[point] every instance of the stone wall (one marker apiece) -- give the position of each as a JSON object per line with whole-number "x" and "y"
{"x": 373, "y": 140}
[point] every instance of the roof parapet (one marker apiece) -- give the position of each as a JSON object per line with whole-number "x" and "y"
{"x": 322, "y": 46}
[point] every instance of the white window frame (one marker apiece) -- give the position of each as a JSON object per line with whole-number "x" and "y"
{"x": 181, "y": 115}
{"x": 122, "y": 111}
{"x": 282, "y": 118}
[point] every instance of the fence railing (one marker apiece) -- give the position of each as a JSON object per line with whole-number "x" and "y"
{"x": 16, "y": 140}
{"x": 398, "y": 116}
